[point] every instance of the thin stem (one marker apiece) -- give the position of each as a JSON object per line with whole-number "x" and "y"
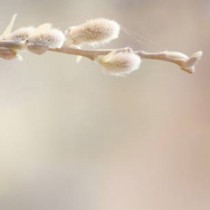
{"x": 13, "y": 44}
{"x": 183, "y": 61}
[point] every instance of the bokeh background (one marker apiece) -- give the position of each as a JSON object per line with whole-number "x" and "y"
{"x": 73, "y": 137}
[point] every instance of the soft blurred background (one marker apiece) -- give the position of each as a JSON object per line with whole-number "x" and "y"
{"x": 74, "y": 138}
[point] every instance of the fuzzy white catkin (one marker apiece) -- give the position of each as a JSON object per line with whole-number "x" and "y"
{"x": 45, "y": 37}
{"x": 119, "y": 63}
{"x": 93, "y": 32}
{"x": 20, "y": 34}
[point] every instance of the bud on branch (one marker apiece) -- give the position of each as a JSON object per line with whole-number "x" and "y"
{"x": 118, "y": 62}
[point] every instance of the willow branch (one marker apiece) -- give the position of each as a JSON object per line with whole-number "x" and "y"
{"x": 183, "y": 61}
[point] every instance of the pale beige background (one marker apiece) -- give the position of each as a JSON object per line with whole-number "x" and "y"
{"x": 74, "y": 138}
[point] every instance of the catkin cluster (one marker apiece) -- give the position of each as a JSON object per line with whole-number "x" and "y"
{"x": 92, "y": 33}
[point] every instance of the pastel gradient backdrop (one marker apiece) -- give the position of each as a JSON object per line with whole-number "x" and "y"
{"x": 74, "y": 138}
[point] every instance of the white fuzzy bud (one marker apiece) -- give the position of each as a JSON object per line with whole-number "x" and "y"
{"x": 21, "y": 34}
{"x": 120, "y": 63}
{"x": 45, "y": 37}
{"x": 92, "y": 32}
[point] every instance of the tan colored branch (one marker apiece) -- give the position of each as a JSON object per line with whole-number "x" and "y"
{"x": 183, "y": 61}
{"x": 37, "y": 42}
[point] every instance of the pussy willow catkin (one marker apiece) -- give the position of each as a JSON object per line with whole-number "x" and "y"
{"x": 119, "y": 63}
{"x": 45, "y": 37}
{"x": 93, "y": 32}
{"x": 21, "y": 34}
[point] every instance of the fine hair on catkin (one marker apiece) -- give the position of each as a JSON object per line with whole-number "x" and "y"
{"x": 120, "y": 63}
{"x": 45, "y": 37}
{"x": 93, "y": 32}
{"x": 21, "y": 34}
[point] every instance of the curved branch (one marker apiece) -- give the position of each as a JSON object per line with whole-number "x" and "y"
{"x": 183, "y": 61}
